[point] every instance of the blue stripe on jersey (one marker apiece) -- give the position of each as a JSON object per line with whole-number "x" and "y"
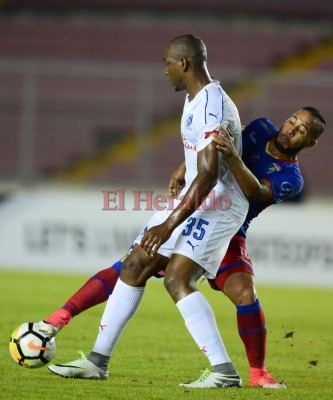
{"x": 222, "y": 111}
{"x": 222, "y": 107}
{"x": 206, "y": 106}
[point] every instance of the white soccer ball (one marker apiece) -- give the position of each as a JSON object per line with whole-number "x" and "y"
{"x": 31, "y": 348}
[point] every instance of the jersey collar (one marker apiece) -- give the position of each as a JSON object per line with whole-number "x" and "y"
{"x": 277, "y": 158}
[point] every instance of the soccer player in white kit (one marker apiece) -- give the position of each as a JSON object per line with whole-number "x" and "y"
{"x": 190, "y": 240}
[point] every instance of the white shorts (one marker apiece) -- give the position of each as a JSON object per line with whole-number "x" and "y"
{"x": 204, "y": 238}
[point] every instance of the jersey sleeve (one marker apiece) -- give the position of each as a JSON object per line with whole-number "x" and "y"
{"x": 211, "y": 118}
{"x": 284, "y": 186}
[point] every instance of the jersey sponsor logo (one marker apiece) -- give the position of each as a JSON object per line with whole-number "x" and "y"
{"x": 286, "y": 191}
{"x": 189, "y": 121}
{"x": 187, "y": 144}
{"x": 274, "y": 167}
{"x": 193, "y": 246}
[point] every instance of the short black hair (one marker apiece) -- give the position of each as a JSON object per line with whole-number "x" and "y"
{"x": 319, "y": 121}
{"x": 190, "y": 47}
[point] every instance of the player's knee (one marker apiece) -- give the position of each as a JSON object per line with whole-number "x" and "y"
{"x": 171, "y": 283}
{"x": 132, "y": 271}
{"x": 175, "y": 284}
{"x": 241, "y": 293}
{"x": 247, "y": 295}
{"x": 178, "y": 284}
{"x": 240, "y": 288}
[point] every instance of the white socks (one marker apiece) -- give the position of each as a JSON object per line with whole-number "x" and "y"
{"x": 200, "y": 321}
{"x": 120, "y": 307}
{"x": 195, "y": 309}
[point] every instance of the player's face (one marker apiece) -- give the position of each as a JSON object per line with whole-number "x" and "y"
{"x": 173, "y": 70}
{"x": 295, "y": 134}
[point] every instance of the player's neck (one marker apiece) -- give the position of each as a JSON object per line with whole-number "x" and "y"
{"x": 275, "y": 152}
{"x": 197, "y": 83}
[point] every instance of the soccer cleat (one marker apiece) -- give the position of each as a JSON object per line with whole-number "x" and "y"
{"x": 210, "y": 379}
{"x": 59, "y": 318}
{"x": 79, "y": 369}
{"x": 264, "y": 380}
{"x": 54, "y": 323}
{"x": 46, "y": 328}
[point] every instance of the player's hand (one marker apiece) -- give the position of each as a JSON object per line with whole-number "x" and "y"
{"x": 154, "y": 237}
{"x": 177, "y": 181}
{"x": 225, "y": 142}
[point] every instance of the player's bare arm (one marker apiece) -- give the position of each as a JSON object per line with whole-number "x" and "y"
{"x": 205, "y": 180}
{"x": 177, "y": 180}
{"x": 253, "y": 188}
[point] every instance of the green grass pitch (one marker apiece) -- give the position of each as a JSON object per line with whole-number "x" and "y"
{"x": 156, "y": 353}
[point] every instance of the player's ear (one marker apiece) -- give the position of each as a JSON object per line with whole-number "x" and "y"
{"x": 312, "y": 143}
{"x": 184, "y": 63}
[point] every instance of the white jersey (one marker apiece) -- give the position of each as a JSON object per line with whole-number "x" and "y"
{"x": 204, "y": 236}
{"x": 210, "y": 108}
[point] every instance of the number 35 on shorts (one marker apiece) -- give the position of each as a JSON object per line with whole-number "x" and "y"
{"x": 197, "y": 226}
